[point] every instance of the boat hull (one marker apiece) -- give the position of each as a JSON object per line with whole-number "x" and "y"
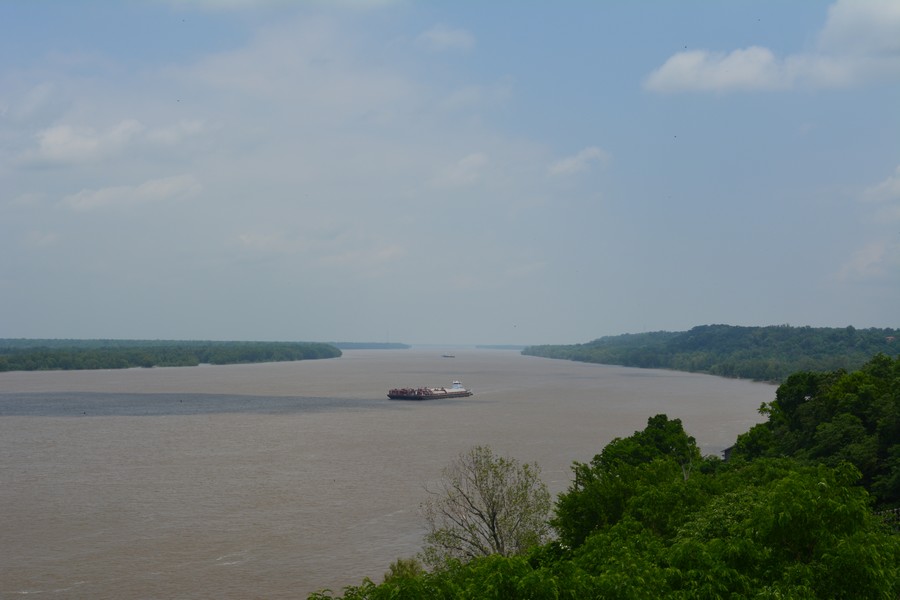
{"x": 428, "y": 396}
{"x": 457, "y": 390}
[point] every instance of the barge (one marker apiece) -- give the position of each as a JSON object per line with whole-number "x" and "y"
{"x": 456, "y": 390}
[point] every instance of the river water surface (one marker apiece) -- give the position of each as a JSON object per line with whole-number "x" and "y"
{"x": 275, "y": 480}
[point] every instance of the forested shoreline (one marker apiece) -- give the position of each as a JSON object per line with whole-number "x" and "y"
{"x": 804, "y": 507}
{"x": 761, "y": 353}
{"x": 61, "y": 354}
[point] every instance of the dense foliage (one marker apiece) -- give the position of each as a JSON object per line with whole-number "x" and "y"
{"x": 761, "y": 353}
{"x": 34, "y": 355}
{"x": 835, "y": 417}
{"x": 790, "y": 515}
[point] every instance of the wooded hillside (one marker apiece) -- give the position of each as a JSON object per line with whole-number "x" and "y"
{"x": 762, "y": 353}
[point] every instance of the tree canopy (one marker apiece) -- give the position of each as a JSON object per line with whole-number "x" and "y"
{"x": 837, "y": 417}
{"x": 761, "y": 353}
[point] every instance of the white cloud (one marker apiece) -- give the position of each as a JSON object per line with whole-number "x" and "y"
{"x": 68, "y": 144}
{"x": 441, "y": 38}
{"x": 752, "y": 68}
{"x": 885, "y": 191}
{"x": 579, "y": 162}
{"x": 860, "y": 42}
{"x": 876, "y": 260}
{"x": 155, "y": 190}
{"x": 465, "y": 171}
{"x": 307, "y": 67}
{"x": 885, "y": 197}
{"x": 242, "y": 5}
{"x": 862, "y": 27}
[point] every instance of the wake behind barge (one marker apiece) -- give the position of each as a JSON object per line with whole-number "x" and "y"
{"x": 456, "y": 391}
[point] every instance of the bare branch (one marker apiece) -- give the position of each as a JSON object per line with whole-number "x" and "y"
{"x": 485, "y": 505}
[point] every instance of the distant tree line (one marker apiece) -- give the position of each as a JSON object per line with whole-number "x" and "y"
{"x": 760, "y": 353}
{"x": 42, "y": 355}
{"x": 796, "y": 511}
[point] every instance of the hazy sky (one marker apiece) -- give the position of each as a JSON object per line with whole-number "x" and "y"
{"x": 446, "y": 172}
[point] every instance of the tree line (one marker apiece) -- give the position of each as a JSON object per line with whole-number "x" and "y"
{"x": 796, "y": 511}
{"x": 41, "y": 355}
{"x": 761, "y": 353}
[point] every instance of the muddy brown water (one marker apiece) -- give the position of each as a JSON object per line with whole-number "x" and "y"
{"x": 275, "y": 480}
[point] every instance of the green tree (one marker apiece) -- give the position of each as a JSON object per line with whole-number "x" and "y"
{"x": 786, "y": 530}
{"x": 834, "y": 417}
{"x": 485, "y": 504}
{"x": 601, "y": 490}
{"x": 768, "y": 528}
{"x": 404, "y": 568}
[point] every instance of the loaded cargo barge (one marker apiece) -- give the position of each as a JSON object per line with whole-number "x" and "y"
{"x": 456, "y": 391}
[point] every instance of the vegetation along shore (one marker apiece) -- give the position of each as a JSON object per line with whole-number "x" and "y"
{"x": 37, "y": 355}
{"x": 761, "y": 353}
{"x": 805, "y": 506}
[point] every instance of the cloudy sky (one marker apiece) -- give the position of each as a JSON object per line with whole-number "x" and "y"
{"x": 446, "y": 172}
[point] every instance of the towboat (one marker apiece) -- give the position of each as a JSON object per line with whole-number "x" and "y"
{"x": 456, "y": 390}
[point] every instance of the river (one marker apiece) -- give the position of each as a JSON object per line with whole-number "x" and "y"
{"x": 274, "y": 480}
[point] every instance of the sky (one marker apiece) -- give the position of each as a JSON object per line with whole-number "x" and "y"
{"x": 505, "y": 172}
